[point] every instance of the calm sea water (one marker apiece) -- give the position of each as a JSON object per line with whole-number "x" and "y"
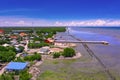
{"x": 110, "y": 55}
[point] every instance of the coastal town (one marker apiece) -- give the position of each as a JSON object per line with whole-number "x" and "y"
{"x": 21, "y": 51}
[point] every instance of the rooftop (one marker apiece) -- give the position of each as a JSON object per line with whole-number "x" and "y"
{"x": 16, "y": 66}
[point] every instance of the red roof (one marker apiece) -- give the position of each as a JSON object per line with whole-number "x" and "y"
{"x": 13, "y": 37}
{"x": 47, "y": 41}
{"x": 1, "y": 31}
{"x": 23, "y": 34}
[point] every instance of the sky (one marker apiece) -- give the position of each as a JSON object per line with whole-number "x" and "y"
{"x": 60, "y": 12}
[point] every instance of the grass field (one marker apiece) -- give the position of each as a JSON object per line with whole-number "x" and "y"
{"x": 75, "y": 69}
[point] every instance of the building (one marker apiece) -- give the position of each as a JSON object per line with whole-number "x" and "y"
{"x": 22, "y": 34}
{"x": 2, "y": 31}
{"x": 37, "y": 42}
{"x": 14, "y": 42}
{"x": 16, "y": 66}
{"x": 44, "y": 51}
{"x": 6, "y": 45}
{"x": 49, "y": 40}
{"x": 13, "y": 37}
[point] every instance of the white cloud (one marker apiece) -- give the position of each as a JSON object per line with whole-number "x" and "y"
{"x": 21, "y": 22}
{"x": 18, "y": 21}
{"x": 97, "y": 22}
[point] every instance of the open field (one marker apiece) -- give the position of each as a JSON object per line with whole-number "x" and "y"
{"x": 84, "y": 68}
{"x": 69, "y": 70}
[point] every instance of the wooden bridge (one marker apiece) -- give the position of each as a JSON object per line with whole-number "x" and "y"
{"x": 88, "y": 42}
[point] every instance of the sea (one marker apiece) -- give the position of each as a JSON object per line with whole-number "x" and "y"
{"x": 109, "y": 54}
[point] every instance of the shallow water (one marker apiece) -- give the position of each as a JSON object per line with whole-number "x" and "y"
{"x": 110, "y": 54}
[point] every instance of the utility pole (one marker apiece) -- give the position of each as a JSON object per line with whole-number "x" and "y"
{"x": 34, "y": 31}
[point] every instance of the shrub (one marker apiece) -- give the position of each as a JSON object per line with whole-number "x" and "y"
{"x": 19, "y": 59}
{"x": 68, "y": 52}
{"x": 34, "y": 45}
{"x": 56, "y": 55}
{"x": 21, "y": 48}
{"x": 24, "y": 75}
{"x": 33, "y": 57}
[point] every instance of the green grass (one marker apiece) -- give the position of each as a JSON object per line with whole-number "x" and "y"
{"x": 67, "y": 70}
{"x": 55, "y": 62}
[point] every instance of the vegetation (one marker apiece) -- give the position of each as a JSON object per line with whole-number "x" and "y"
{"x": 3, "y": 42}
{"x": 69, "y": 70}
{"x": 52, "y": 30}
{"x": 68, "y": 52}
{"x": 37, "y": 28}
{"x": 56, "y": 55}
{"x": 19, "y": 59}
{"x": 7, "y": 54}
{"x": 23, "y": 75}
{"x": 6, "y": 77}
{"x": 2, "y": 48}
{"x": 34, "y": 45}
{"x": 21, "y": 48}
{"x": 36, "y": 56}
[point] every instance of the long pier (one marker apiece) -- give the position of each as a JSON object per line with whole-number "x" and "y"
{"x": 89, "y": 42}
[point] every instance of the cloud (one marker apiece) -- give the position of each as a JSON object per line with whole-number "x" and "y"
{"x": 97, "y": 22}
{"x": 20, "y": 21}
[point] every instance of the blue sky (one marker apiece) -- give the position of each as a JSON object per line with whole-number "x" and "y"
{"x": 60, "y": 12}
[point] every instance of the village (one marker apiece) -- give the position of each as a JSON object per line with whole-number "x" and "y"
{"x": 22, "y": 50}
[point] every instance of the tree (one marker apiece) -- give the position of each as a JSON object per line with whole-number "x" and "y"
{"x": 21, "y": 48}
{"x": 24, "y": 75}
{"x": 69, "y": 52}
{"x": 6, "y": 77}
{"x": 56, "y": 55}
{"x": 6, "y": 56}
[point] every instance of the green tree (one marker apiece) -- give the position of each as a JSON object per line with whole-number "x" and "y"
{"x": 6, "y": 77}
{"x": 56, "y": 55}
{"x": 6, "y": 56}
{"x": 24, "y": 75}
{"x": 69, "y": 52}
{"x": 21, "y": 48}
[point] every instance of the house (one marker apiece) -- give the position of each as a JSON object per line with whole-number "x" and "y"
{"x": 2, "y": 31}
{"x": 37, "y": 42}
{"x": 44, "y": 50}
{"x": 5, "y": 45}
{"x": 18, "y": 50}
{"x": 23, "y": 42}
{"x": 22, "y": 34}
{"x": 16, "y": 66}
{"x": 13, "y": 37}
{"x": 49, "y": 40}
{"x": 14, "y": 42}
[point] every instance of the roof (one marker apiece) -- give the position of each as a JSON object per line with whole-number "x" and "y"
{"x": 44, "y": 50}
{"x": 13, "y": 37}
{"x": 23, "y": 34}
{"x": 1, "y": 31}
{"x": 16, "y": 66}
{"x": 5, "y": 45}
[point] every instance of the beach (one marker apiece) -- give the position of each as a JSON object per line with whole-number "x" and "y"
{"x": 110, "y": 54}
